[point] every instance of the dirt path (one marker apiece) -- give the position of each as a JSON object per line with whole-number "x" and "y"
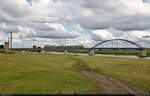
{"x": 109, "y": 85}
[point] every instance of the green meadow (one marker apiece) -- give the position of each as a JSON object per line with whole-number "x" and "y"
{"x": 35, "y": 73}
{"x": 135, "y": 71}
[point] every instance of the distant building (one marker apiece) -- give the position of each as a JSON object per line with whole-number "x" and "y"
{"x": 6, "y": 47}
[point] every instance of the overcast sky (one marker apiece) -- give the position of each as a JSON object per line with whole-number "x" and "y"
{"x": 69, "y": 22}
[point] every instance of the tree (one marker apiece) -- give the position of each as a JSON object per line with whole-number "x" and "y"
{"x": 39, "y": 49}
{"x": 1, "y": 46}
{"x": 34, "y": 48}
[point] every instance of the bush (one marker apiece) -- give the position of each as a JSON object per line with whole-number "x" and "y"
{"x": 1, "y": 46}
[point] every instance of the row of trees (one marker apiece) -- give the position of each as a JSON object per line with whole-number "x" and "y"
{"x": 36, "y": 49}
{"x": 71, "y": 46}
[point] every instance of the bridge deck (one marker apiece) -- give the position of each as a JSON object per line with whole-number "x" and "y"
{"x": 123, "y": 48}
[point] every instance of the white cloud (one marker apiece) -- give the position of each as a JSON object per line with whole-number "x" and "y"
{"x": 101, "y": 35}
{"x": 120, "y": 14}
{"x": 92, "y": 20}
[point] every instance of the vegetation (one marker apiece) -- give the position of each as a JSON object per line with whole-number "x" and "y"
{"x": 34, "y": 73}
{"x": 134, "y": 71}
{"x": 117, "y": 52}
{"x": 1, "y": 46}
{"x": 39, "y": 49}
{"x": 34, "y": 48}
{"x": 49, "y": 47}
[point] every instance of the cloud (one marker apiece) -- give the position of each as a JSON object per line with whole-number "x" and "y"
{"x": 88, "y": 21}
{"x": 101, "y": 35}
{"x": 7, "y": 28}
{"x": 119, "y": 14}
{"x": 54, "y": 30}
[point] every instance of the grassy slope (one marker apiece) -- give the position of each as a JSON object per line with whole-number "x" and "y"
{"x": 132, "y": 52}
{"x": 41, "y": 73}
{"x": 134, "y": 71}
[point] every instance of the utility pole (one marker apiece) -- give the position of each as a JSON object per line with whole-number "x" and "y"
{"x": 23, "y": 44}
{"x": 8, "y": 39}
{"x": 8, "y": 42}
{"x": 11, "y": 39}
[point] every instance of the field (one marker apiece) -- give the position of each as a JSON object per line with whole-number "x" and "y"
{"x": 117, "y": 52}
{"x": 135, "y": 71}
{"x": 41, "y": 74}
{"x": 32, "y": 73}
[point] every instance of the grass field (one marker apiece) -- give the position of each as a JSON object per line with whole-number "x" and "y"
{"x": 118, "y": 52}
{"x": 41, "y": 74}
{"x": 134, "y": 71}
{"x": 35, "y": 73}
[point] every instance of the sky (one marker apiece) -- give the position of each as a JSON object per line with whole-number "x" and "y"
{"x": 74, "y": 22}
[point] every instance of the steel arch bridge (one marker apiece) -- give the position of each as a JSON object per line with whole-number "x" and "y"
{"x": 117, "y": 44}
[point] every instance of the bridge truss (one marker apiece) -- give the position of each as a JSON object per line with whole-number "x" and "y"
{"x": 117, "y": 44}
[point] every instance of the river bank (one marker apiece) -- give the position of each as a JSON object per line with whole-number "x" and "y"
{"x": 117, "y": 52}
{"x": 104, "y": 55}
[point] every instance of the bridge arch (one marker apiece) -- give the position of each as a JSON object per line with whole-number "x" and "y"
{"x": 142, "y": 49}
{"x": 131, "y": 42}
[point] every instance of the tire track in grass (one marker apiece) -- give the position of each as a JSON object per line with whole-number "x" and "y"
{"x": 107, "y": 84}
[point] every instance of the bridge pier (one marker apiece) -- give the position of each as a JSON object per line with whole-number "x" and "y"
{"x": 65, "y": 52}
{"x": 91, "y": 52}
{"x": 142, "y": 53}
